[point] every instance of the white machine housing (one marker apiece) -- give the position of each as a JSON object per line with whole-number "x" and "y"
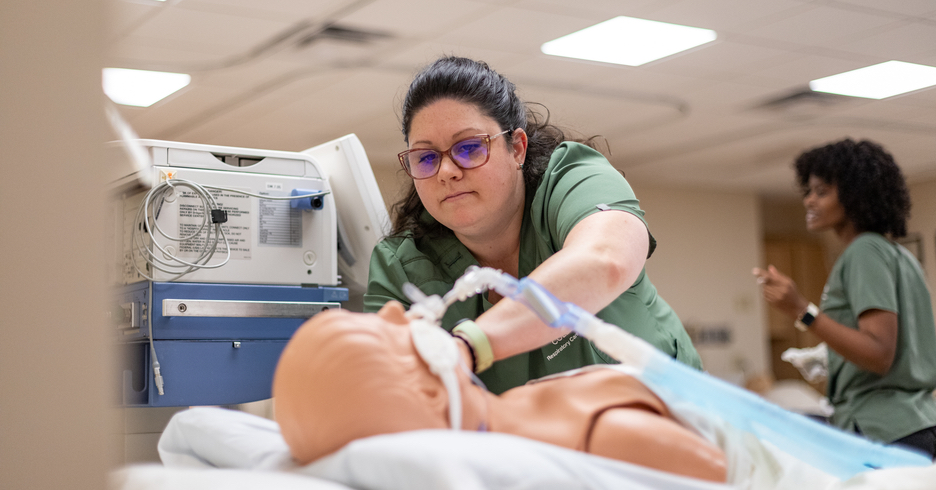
{"x": 362, "y": 215}
{"x": 271, "y": 242}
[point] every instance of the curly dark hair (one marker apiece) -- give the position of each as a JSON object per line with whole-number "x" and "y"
{"x": 870, "y": 185}
{"x": 474, "y": 82}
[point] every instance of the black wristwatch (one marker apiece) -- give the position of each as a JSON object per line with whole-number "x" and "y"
{"x": 807, "y": 318}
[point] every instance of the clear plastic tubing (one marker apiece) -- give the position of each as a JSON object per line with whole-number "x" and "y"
{"x": 824, "y": 447}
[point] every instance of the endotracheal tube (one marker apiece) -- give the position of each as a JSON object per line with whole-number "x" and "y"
{"x": 435, "y": 346}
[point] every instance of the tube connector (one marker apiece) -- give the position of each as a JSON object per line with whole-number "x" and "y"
{"x": 159, "y": 380}
{"x": 308, "y": 199}
{"x": 477, "y": 280}
{"x": 428, "y": 308}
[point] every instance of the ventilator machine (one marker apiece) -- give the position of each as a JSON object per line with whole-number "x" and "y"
{"x": 221, "y": 253}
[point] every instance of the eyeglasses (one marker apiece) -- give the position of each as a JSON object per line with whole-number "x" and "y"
{"x": 422, "y": 163}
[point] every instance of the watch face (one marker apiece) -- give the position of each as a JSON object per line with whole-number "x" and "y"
{"x": 807, "y": 319}
{"x": 809, "y": 316}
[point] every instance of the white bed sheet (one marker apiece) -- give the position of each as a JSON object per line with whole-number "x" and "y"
{"x": 216, "y": 448}
{"x": 205, "y": 438}
{"x": 158, "y": 477}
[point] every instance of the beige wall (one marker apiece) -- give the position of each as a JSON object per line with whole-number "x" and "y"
{"x": 923, "y": 221}
{"x": 392, "y": 180}
{"x": 53, "y": 431}
{"x": 708, "y": 242}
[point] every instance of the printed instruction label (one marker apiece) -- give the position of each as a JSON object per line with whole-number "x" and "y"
{"x": 280, "y": 224}
{"x": 237, "y": 228}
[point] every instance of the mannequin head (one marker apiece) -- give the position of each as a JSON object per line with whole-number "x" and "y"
{"x": 346, "y": 376}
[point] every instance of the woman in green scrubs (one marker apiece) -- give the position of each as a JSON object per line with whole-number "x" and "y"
{"x": 496, "y": 185}
{"x": 876, "y": 315}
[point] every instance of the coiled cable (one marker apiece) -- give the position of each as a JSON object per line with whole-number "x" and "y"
{"x": 146, "y": 225}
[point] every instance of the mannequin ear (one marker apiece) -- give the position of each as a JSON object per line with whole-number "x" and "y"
{"x": 435, "y": 398}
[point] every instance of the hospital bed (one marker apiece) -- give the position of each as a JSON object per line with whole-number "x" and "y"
{"x": 207, "y": 448}
{"x": 765, "y": 447}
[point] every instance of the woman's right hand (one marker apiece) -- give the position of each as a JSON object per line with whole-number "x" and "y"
{"x": 780, "y": 291}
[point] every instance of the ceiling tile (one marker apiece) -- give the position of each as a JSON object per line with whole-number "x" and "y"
{"x": 208, "y": 33}
{"x": 729, "y": 97}
{"x": 598, "y": 10}
{"x": 278, "y": 10}
{"x": 904, "y": 41}
{"x": 414, "y": 57}
{"x": 158, "y": 54}
{"x": 417, "y": 19}
{"x": 250, "y": 76}
{"x": 246, "y": 107}
{"x": 329, "y": 104}
{"x": 642, "y": 80}
{"x": 721, "y": 60}
{"x": 891, "y": 109}
{"x": 589, "y": 114}
{"x": 501, "y": 30}
{"x": 903, "y": 7}
{"x": 614, "y": 81}
{"x": 723, "y": 16}
{"x": 819, "y": 26}
{"x": 158, "y": 120}
{"x": 801, "y": 70}
{"x": 124, "y": 15}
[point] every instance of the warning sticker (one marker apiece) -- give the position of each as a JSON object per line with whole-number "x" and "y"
{"x": 236, "y": 229}
{"x": 280, "y": 225}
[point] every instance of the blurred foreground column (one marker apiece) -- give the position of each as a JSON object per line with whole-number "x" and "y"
{"x": 54, "y": 429}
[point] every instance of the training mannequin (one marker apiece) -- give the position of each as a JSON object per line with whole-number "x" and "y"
{"x": 346, "y": 376}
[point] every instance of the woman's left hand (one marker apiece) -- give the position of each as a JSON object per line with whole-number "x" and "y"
{"x": 780, "y": 291}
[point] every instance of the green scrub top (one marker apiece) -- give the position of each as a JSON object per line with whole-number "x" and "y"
{"x": 578, "y": 182}
{"x": 875, "y": 273}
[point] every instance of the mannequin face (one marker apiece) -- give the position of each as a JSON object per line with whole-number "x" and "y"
{"x": 345, "y": 376}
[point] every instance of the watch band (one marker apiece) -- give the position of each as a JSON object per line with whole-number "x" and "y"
{"x": 807, "y": 318}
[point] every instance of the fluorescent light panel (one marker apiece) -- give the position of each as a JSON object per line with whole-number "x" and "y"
{"x": 141, "y": 88}
{"x": 878, "y": 81}
{"x": 628, "y": 41}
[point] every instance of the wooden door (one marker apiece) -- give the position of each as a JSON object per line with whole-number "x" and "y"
{"x": 804, "y": 261}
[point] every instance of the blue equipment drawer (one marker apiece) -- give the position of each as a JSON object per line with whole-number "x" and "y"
{"x": 166, "y": 326}
{"x": 200, "y": 372}
{"x": 208, "y": 356}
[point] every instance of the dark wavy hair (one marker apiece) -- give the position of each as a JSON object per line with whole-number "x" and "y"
{"x": 476, "y": 83}
{"x": 870, "y": 185}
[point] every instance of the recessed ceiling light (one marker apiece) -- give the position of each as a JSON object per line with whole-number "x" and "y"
{"x": 141, "y": 88}
{"x": 878, "y": 81}
{"x": 628, "y": 41}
